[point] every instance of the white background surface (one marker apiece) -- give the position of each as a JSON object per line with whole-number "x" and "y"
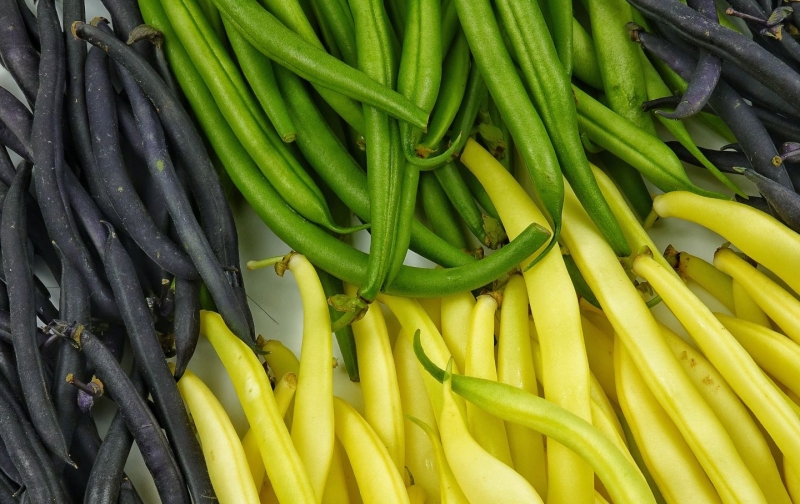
{"x": 276, "y": 307}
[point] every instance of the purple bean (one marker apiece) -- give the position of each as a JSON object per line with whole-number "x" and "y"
{"x": 785, "y": 202}
{"x": 186, "y": 322}
{"x": 728, "y": 105}
{"x": 724, "y": 160}
{"x": 17, "y": 53}
{"x": 725, "y": 43}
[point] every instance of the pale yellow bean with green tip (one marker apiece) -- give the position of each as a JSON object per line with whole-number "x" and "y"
{"x": 634, "y": 233}
{"x": 455, "y": 324}
{"x": 554, "y": 305}
{"x": 382, "y": 406}
{"x": 312, "y": 418}
{"x": 413, "y": 317}
{"x": 741, "y": 225}
{"x": 225, "y": 458}
{"x": 703, "y": 273}
{"x": 678, "y": 474}
{"x": 727, "y": 355}
{"x": 379, "y": 482}
{"x": 416, "y": 494}
{"x": 450, "y": 490}
{"x": 778, "y": 304}
{"x": 419, "y": 455}
{"x": 488, "y": 430}
{"x": 746, "y": 308}
{"x": 515, "y": 367}
{"x": 733, "y": 415}
{"x": 284, "y": 392}
{"x": 773, "y": 352}
{"x": 481, "y": 477}
{"x": 336, "y": 485}
{"x": 283, "y": 464}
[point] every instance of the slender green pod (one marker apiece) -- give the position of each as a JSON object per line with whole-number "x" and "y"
{"x": 455, "y": 71}
{"x": 621, "y": 477}
{"x": 495, "y": 65}
{"x": 477, "y": 190}
{"x": 618, "y": 60}
{"x": 629, "y": 181}
{"x": 258, "y": 71}
{"x": 443, "y": 218}
{"x": 304, "y": 58}
{"x": 385, "y": 164}
{"x": 244, "y": 115}
{"x": 584, "y": 58}
{"x": 450, "y": 24}
{"x": 344, "y": 336}
{"x": 214, "y": 17}
{"x": 645, "y": 152}
{"x": 561, "y": 23}
{"x": 549, "y": 87}
{"x": 339, "y": 23}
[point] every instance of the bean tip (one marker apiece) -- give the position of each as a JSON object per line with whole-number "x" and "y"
{"x": 633, "y": 31}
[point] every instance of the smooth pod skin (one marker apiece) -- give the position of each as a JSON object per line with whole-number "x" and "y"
{"x": 741, "y": 225}
{"x": 378, "y": 479}
{"x": 443, "y": 218}
{"x": 19, "y": 284}
{"x": 668, "y": 457}
{"x": 17, "y": 52}
{"x": 284, "y": 467}
{"x": 147, "y": 350}
{"x": 732, "y": 414}
{"x": 224, "y": 453}
{"x": 783, "y": 201}
{"x": 632, "y": 320}
{"x": 138, "y": 417}
{"x": 186, "y": 322}
{"x": 724, "y": 352}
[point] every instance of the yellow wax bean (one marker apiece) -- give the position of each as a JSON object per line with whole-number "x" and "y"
{"x": 717, "y": 283}
{"x": 336, "y": 486}
{"x": 419, "y": 453}
{"x": 312, "y": 420}
{"x": 488, "y": 430}
{"x": 283, "y": 464}
{"x": 554, "y": 305}
{"x": 450, "y": 491}
{"x": 280, "y": 359}
{"x": 792, "y": 478}
{"x": 377, "y": 477}
{"x": 417, "y": 494}
{"x": 225, "y": 458}
{"x": 433, "y": 307}
{"x": 781, "y": 306}
{"x": 481, "y": 477}
{"x": 727, "y": 355}
{"x": 676, "y": 471}
{"x": 515, "y": 367}
{"x": 743, "y": 226}
{"x": 600, "y": 351}
{"x": 635, "y": 326}
{"x": 456, "y": 310}
{"x": 733, "y": 415}
{"x": 382, "y": 408}
{"x": 600, "y": 400}
{"x": 747, "y": 308}
{"x": 773, "y": 352}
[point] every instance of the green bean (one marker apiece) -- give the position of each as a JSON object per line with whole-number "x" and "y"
{"x": 550, "y": 90}
{"x": 408, "y": 205}
{"x": 339, "y": 23}
{"x": 581, "y": 287}
{"x": 455, "y": 72}
{"x": 291, "y": 14}
{"x": 486, "y": 229}
{"x": 214, "y": 17}
{"x": 443, "y": 218}
{"x": 629, "y": 181}
{"x": 498, "y": 71}
{"x": 257, "y": 69}
{"x": 561, "y": 29}
{"x": 385, "y": 164}
{"x": 621, "y": 477}
{"x": 344, "y": 336}
{"x": 288, "y": 49}
{"x": 645, "y": 152}
{"x": 618, "y": 60}
{"x": 584, "y": 57}
{"x": 477, "y": 190}
{"x": 242, "y": 113}
{"x": 396, "y": 11}
{"x": 450, "y": 26}
{"x": 656, "y": 89}
{"x": 342, "y": 173}
{"x": 497, "y": 120}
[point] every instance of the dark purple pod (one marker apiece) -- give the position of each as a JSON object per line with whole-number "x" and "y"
{"x": 784, "y": 202}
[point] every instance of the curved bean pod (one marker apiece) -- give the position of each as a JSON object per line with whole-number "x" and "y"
{"x": 18, "y": 54}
